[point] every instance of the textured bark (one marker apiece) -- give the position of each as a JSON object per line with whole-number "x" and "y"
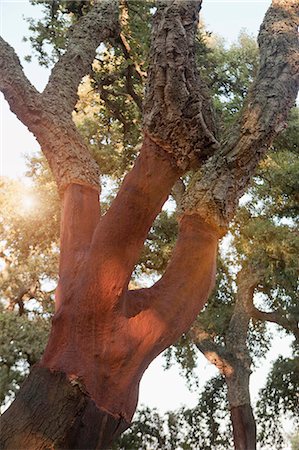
{"x": 233, "y": 361}
{"x": 98, "y": 25}
{"x": 48, "y": 115}
{"x": 103, "y": 336}
{"x": 216, "y": 189}
{"x": 53, "y": 413}
{"x": 177, "y": 110}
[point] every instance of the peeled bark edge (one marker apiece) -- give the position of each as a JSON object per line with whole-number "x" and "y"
{"x": 77, "y": 421}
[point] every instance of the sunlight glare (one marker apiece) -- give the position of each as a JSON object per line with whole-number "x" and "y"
{"x": 28, "y": 202}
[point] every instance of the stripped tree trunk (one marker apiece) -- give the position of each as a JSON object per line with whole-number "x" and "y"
{"x": 84, "y": 391}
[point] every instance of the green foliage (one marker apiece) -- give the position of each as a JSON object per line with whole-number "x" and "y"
{"x": 216, "y": 315}
{"x": 185, "y": 354}
{"x": 279, "y": 398}
{"x": 146, "y": 432}
{"x": 229, "y": 73}
{"x": 185, "y": 429}
{"x": 48, "y": 35}
{"x": 159, "y": 245}
{"x": 29, "y": 232}
{"x": 109, "y": 118}
{"x": 22, "y": 341}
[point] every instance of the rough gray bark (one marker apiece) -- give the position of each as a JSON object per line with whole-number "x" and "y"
{"x": 279, "y": 317}
{"x": 282, "y": 318}
{"x": 35, "y": 422}
{"x": 177, "y": 111}
{"x": 233, "y": 361}
{"x": 217, "y": 187}
{"x": 48, "y": 115}
{"x": 97, "y": 26}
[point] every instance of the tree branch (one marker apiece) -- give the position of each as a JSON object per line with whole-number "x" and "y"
{"x": 24, "y": 100}
{"x": 98, "y": 25}
{"x": 177, "y": 112}
{"x": 58, "y": 137}
{"x": 173, "y": 303}
{"x": 123, "y": 230}
{"x": 216, "y": 354}
{"x": 277, "y": 317}
{"x": 129, "y": 72}
{"x": 215, "y": 191}
{"x": 113, "y": 108}
{"x": 29, "y": 292}
{"x": 248, "y": 280}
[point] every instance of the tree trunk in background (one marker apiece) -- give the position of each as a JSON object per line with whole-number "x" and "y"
{"x": 244, "y": 427}
{"x": 233, "y": 361}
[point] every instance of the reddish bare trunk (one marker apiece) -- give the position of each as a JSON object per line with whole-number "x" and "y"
{"x": 103, "y": 336}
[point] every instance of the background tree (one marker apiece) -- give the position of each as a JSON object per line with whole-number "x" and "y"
{"x": 266, "y": 241}
{"x": 179, "y": 136}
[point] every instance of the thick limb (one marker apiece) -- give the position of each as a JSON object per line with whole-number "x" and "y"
{"x": 215, "y": 191}
{"x": 173, "y": 303}
{"x": 177, "y": 111}
{"x": 80, "y": 216}
{"x": 120, "y": 235}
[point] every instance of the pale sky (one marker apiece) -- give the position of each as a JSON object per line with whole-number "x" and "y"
{"x": 163, "y": 389}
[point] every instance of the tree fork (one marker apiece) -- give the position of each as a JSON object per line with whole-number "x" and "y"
{"x": 99, "y": 346}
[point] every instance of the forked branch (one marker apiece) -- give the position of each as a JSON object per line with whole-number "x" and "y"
{"x": 279, "y": 317}
{"x": 120, "y": 235}
{"x": 216, "y": 189}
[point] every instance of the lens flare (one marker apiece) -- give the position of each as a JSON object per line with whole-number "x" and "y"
{"x": 28, "y": 202}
